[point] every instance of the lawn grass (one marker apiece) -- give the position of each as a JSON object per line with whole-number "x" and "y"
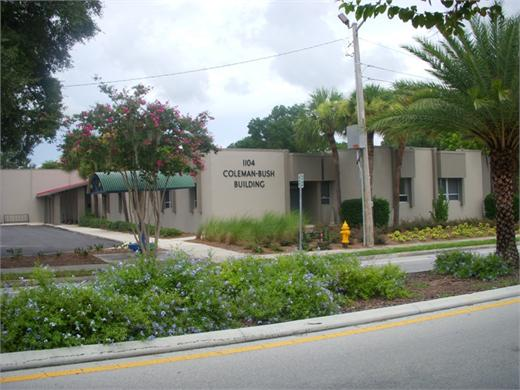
{"x": 424, "y": 247}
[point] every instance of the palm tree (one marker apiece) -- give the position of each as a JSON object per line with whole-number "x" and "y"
{"x": 377, "y": 100}
{"x": 327, "y": 115}
{"x": 478, "y": 96}
{"x": 397, "y": 133}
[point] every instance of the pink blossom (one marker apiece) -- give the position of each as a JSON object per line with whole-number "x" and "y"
{"x": 110, "y": 120}
{"x": 147, "y": 142}
{"x": 87, "y": 130}
{"x": 159, "y": 163}
{"x": 125, "y": 109}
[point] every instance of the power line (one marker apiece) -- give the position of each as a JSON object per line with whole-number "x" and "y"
{"x": 374, "y": 79}
{"x": 389, "y": 48}
{"x": 396, "y": 71}
{"x": 208, "y": 67}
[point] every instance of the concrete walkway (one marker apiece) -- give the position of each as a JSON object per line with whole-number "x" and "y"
{"x": 170, "y": 244}
{"x": 198, "y": 250}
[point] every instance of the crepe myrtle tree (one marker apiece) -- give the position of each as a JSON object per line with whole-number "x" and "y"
{"x": 141, "y": 140}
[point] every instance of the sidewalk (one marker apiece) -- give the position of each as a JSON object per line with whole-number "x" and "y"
{"x": 198, "y": 250}
{"x": 170, "y": 244}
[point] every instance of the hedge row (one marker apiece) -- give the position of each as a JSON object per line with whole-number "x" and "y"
{"x": 123, "y": 226}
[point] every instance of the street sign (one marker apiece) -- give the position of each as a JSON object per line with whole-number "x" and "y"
{"x": 356, "y": 138}
{"x": 300, "y": 180}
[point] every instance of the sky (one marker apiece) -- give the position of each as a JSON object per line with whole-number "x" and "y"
{"x": 147, "y": 38}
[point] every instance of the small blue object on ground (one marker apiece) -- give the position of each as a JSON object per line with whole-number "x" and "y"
{"x": 134, "y": 247}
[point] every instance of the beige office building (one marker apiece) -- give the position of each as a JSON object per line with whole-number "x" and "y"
{"x": 251, "y": 182}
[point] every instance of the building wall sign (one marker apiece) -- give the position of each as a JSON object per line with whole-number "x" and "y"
{"x": 255, "y": 177}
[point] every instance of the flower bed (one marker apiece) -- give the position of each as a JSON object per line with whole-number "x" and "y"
{"x": 440, "y": 232}
{"x": 151, "y": 299}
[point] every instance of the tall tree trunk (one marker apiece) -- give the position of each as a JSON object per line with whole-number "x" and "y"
{"x": 335, "y": 163}
{"x": 502, "y": 178}
{"x": 398, "y": 162}
{"x": 370, "y": 150}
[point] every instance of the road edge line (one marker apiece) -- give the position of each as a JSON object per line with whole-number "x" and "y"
{"x": 14, "y": 361}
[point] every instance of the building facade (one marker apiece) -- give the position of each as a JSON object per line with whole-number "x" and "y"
{"x": 251, "y": 182}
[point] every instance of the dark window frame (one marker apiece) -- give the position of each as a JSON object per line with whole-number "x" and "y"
{"x": 451, "y": 188}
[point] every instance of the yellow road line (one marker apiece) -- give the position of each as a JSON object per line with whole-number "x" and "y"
{"x": 256, "y": 347}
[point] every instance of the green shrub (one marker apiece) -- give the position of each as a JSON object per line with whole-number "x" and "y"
{"x": 88, "y": 220}
{"x": 351, "y": 211}
{"x": 440, "y": 209}
{"x": 470, "y": 265}
{"x": 168, "y": 232}
{"x": 381, "y": 212}
{"x": 490, "y": 208}
{"x": 149, "y": 299}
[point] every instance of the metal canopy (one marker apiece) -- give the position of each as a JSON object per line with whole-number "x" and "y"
{"x": 57, "y": 190}
{"x": 113, "y": 182}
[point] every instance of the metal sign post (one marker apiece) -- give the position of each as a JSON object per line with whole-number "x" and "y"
{"x": 300, "y": 188}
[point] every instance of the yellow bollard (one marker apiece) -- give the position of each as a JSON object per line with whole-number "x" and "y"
{"x": 345, "y": 234}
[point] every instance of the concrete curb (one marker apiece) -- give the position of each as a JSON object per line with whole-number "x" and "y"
{"x": 89, "y": 353}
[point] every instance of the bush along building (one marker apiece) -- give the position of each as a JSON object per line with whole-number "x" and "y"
{"x": 251, "y": 182}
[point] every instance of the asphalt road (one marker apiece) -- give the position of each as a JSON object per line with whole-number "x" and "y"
{"x": 46, "y": 239}
{"x": 473, "y": 347}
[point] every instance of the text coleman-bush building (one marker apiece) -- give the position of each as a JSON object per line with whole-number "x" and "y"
{"x": 251, "y": 182}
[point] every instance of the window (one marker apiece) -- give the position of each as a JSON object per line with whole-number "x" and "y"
{"x": 405, "y": 189}
{"x": 120, "y": 202}
{"x": 166, "y": 201}
{"x": 193, "y": 198}
{"x": 451, "y": 188}
{"x": 325, "y": 192}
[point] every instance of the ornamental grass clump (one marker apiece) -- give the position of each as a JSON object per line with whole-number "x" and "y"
{"x": 148, "y": 298}
{"x": 467, "y": 265}
{"x": 248, "y": 231}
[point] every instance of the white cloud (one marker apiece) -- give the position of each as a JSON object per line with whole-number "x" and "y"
{"x": 157, "y": 37}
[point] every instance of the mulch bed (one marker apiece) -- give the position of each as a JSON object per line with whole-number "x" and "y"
{"x": 429, "y": 285}
{"x": 53, "y": 260}
{"x": 266, "y": 250}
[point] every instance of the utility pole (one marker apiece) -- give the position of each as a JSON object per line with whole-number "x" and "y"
{"x": 368, "y": 225}
{"x": 360, "y": 99}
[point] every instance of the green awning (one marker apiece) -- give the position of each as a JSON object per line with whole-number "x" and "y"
{"x": 103, "y": 183}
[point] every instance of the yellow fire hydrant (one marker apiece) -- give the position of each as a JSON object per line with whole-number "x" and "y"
{"x": 345, "y": 234}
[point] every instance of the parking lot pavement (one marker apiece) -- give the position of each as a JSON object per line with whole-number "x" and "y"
{"x": 46, "y": 239}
